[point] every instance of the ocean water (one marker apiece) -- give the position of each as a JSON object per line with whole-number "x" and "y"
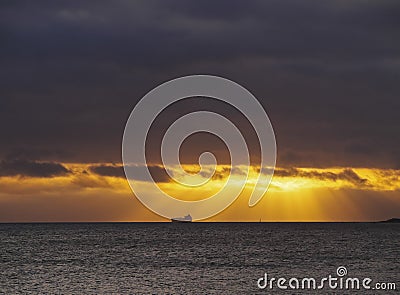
{"x": 196, "y": 258}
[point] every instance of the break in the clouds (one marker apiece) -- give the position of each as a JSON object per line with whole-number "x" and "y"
{"x": 96, "y": 175}
{"x": 327, "y": 72}
{"x": 302, "y": 178}
{"x": 296, "y": 194}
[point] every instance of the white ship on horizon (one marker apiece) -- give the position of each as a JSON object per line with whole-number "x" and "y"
{"x": 186, "y": 218}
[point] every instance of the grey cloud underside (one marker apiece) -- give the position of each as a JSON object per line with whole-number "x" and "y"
{"x": 327, "y": 72}
{"x": 158, "y": 173}
{"x": 32, "y": 168}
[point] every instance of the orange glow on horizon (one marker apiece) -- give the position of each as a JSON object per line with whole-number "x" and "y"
{"x": 301, "y": 194}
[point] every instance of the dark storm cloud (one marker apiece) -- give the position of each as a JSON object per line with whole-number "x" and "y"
{"x": 326, "y": 71}
{"x": 157, "y": 172}
{"x": 31, "y": 168}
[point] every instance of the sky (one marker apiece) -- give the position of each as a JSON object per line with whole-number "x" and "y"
{"x": 326, "y": 72}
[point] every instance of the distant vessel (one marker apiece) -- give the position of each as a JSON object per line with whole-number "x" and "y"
{"x": 187, "y": 218}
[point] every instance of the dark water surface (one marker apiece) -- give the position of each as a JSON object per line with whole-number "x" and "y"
{"x": 197, "y": 258}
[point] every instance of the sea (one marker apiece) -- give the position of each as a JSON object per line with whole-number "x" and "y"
{"x": 198, "y": 258}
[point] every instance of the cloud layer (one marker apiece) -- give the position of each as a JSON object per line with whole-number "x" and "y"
{"x": 157, "y": 172}
{"x": 32, "y": 168}
{"x": 327, "y": 72}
